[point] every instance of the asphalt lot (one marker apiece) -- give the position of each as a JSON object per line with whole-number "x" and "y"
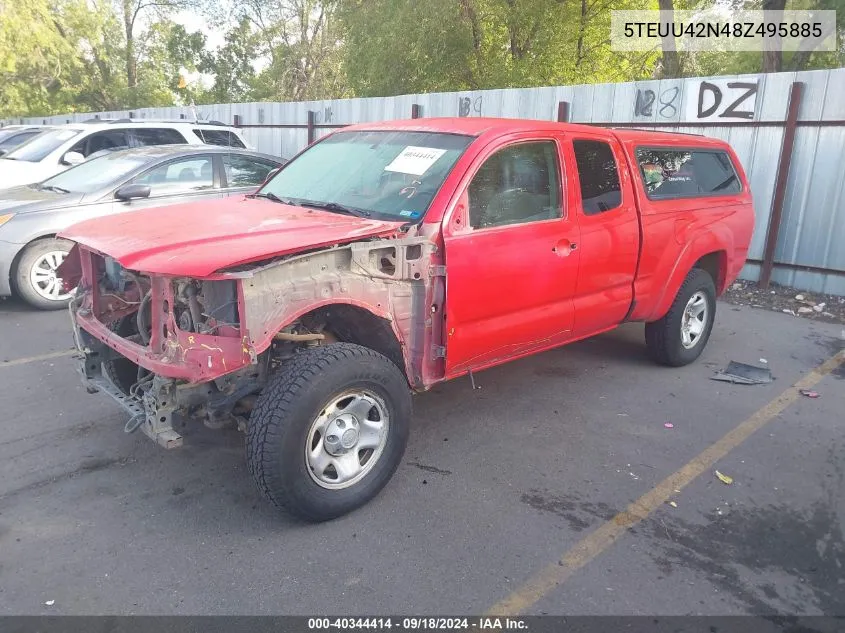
{"x": 497, "y": 484}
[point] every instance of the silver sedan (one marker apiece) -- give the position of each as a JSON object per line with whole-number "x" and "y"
{"x": 116, "y": 182}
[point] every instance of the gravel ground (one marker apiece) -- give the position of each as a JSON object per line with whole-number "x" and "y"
{"x": 799, "y": 303}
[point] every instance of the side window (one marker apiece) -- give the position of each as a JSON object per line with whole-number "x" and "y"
{"x": 158, "y": 136}
{"x": 671, "y": 173}
{"x": 517, "y": 184}
{"x": 245, "y": 171}
{"x": 180, "y": 176}
{"x": 219, "y": 137}
{"x": 18, "y": 139}
{"x": 97, "y": 142}
{"x": 598, "y": 176}
{"x": 234, "y": 141}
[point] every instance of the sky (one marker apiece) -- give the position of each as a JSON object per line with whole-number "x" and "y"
{"x": 195, "y": 22}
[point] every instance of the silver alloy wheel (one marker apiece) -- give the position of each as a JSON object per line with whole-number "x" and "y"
{"x": 44, "y": 279}
{"x": 694, "y": 320}
{"x": 346, "y": 440}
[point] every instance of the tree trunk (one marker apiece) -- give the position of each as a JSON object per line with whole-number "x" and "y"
{"x": 581, "y": 27}
{"x": 128, "y": 25}
{"x": 671, "y": 60}
{"x": 772, "y": 56}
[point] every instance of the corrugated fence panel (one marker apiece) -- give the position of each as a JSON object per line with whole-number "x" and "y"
{"x": 813, "y": 224}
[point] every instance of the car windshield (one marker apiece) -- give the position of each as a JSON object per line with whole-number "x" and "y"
{"x": 40, "y": 146}
{"x": 391, "y": 175}
{"x": 95, "y": 174}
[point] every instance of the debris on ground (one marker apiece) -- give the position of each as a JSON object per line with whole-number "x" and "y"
{"x": 810, "y": 393}
{"x": 669, "y": 425}
{"x": 803, "y": 304}
{"x": 724, "y": 478}
{"x": 50, "y": 603}
{"x": 742, "y": 374}
{"x": 673, "y": 504}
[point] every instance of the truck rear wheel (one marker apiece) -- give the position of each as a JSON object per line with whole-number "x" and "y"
{"x": 681, "y": 335}
{"x": 329, "y": 430}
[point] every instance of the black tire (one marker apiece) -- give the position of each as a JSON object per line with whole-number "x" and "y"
{"x": 663, "y": 337}
{"x": 293, "y": 398}
{"x": 20, "y": 276}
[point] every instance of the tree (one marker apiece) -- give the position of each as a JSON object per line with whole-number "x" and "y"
{"x": 33, "y": 56}
{"x": 131, "y": 12}
{"x": 474, "y": 44}
{"x": 301, "y": 42}
{"x": 670, "y": 63}
{"x": 232, "y": 65}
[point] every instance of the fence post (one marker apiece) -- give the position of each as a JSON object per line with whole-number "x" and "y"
{"x": 312, "y": 126}
{"x": 416, "y": 111}
{"x": 237, "y": 121}
{"x": 131, "y": 115}
{"x": 793, "y": 106}
{"x": 563, "y": 111}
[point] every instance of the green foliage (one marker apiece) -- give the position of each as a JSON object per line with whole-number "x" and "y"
{"x": 90, "y": 55}
{"x": 232, "y": 66}
{"x": 404, "y": 46}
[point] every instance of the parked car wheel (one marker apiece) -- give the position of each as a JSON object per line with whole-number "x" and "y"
{"x": 329, "y": 430}
{"x": 35, "y": 277}
{"x": 679, "y": 337}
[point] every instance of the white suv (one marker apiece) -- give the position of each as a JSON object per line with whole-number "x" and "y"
{"x": 57, "y": 149}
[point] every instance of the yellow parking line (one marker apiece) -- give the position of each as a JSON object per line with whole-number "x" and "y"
{"x": 598, "y": 541}
{"x": 35, "y": 359}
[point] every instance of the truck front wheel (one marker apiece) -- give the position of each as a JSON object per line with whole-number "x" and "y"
{"x": 329, "y": 430}
{"x": 680, "y": 336}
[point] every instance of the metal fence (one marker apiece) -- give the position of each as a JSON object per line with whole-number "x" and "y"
{"x": 787, "y": 128}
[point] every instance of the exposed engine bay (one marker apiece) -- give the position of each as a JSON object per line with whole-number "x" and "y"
{"x": 204, "y": 348}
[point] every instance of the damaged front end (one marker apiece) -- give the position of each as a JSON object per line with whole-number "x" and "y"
{"x": 169, "y": 348}
{"x": 158, "y": 344}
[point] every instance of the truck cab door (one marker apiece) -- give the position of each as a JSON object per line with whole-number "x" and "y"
{"x": 511, "y": 254}
{"x": 606, "y": 212}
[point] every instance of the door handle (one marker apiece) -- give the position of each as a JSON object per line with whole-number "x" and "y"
{"x": 564, "y": 248}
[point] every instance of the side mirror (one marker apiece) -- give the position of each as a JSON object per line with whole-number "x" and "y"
{"x": 128, "y": 192}
{"x": 72, "y": 158}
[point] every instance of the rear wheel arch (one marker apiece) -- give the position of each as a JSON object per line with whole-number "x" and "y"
{"x": 711, "y": 257}
{"x": 716, "y": 265}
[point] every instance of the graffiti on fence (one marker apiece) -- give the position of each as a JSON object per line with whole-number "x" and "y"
{"x": 722, "y": 99}
{"x": 323, "y": 116}
{"x": 705, "y": 100}
{"x": 469, "y": 107}
{"x": 666, "y": 105}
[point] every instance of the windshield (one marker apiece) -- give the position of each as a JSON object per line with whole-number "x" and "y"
{"x": 96, "y": 173}
{"x": 40, "y": 146}
{"x": 391, "y": 175}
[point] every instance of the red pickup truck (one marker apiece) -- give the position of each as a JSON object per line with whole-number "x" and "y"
{"x": 386, "y": 258}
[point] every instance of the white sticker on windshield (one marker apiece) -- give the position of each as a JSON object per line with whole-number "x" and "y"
{"x": 415, "y": 160}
